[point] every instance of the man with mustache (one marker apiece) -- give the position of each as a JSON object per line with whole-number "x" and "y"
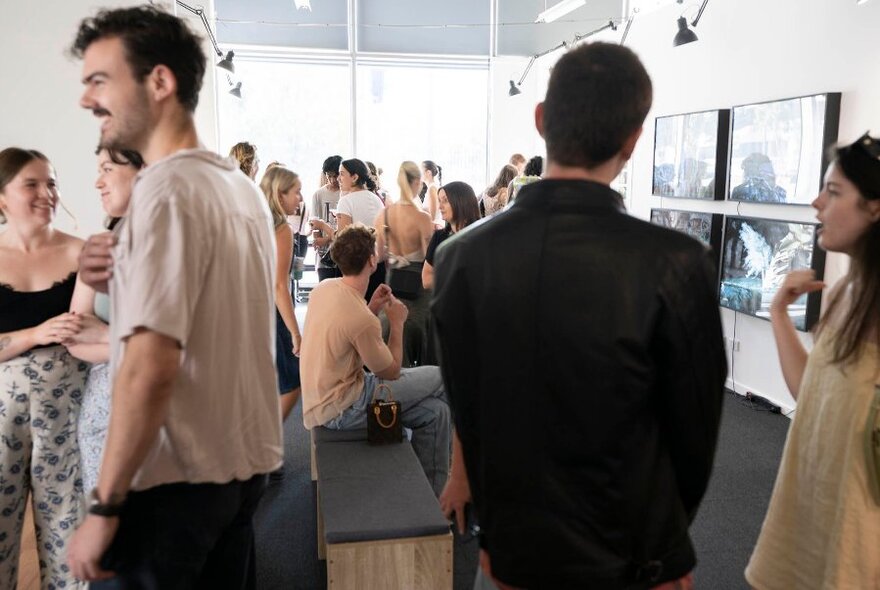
{"x": 195, "y": 422}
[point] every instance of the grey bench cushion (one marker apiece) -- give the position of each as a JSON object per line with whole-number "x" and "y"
{"x": 370, "y": 493}
{"x": 329, "y": 435}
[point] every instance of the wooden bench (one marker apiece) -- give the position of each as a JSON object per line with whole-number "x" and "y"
{"x": 380, "y": 526}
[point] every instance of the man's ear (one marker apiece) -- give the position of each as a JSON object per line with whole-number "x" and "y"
{"x": 629, "y": 144}
{"x": 539, "y": 118}
{"x": 161, "y": 83}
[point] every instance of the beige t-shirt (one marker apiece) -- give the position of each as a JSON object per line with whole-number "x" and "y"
{"x": 195, "y": 262}
{"x": 341, "y": 335}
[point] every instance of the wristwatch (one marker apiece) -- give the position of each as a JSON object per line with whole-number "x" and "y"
{"x": 112, "y": 507}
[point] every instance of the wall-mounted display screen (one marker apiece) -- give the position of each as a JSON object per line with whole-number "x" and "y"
{"x": 690, "y": 155}
{"x": 757, "y": 255}
{"x": 778, "y": 149}
{"x": 706, "y": 227}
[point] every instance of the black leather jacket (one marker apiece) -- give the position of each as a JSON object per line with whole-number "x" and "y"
{"x": 583, "y": 354}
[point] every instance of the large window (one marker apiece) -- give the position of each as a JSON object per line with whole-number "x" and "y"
{"x": 295, "y": 113}
{"x": 423, "y": 112}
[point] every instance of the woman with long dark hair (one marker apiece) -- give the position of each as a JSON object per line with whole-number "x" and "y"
{"x": 358, "y": 204}
{"x": 459, "y": 209}
{"x": 40, "y": 382}
{"x": 822, "y": 529}
{"x": 495, "y": 197}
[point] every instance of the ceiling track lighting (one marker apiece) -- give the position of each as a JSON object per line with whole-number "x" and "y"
{"x": 684, "y": 34}
{"x": 557, "y": 11}
{"x": 225, "y": 62}
{"x": 515, "y": 86}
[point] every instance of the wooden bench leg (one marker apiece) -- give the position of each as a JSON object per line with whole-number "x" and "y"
{"x": 314, "y": 464}
{"x": 419, "y": 563}
{"x": 322, "y": 547}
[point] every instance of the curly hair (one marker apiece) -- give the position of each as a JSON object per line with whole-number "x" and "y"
{"x": 151, "y": 37}
{"x": 352, "y": 248}
{"x": 246, "y": 154}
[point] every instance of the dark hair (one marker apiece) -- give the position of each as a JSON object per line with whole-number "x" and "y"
{"x": 121, "y": 158}
{"x": 508, "y": 173}
{"x": 12, "y": 160}
{"x": 463, "y": 200}
{"x": 151, "y": 37}
{"x": 862, "y": 168}
{"x": 331, "y": 165}
{"x": 598, "y": 95}
{"x": 352, "y": 248}
{"x": 434, "y": 169}
{"x": 355, "y": 166}
{"x": 534, "y": 167}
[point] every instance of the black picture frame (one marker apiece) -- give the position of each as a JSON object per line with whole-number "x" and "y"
{"x": 756, "y": 255}
{"x": 779, "y": 148}
{"x": 703, "y": 226}
{"x": 691, "y": 155}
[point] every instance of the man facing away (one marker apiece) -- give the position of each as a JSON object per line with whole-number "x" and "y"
{"x": 589, "y": 435}
{"x": 195, "y": 422}
{"x": 342, "y": 334}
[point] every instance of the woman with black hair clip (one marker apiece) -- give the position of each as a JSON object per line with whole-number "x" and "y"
{"x": 432, "y": 177}
{"x": 358, "y": 204}
{"x": 116, "y": 172}
{"x": 822, "y": 529}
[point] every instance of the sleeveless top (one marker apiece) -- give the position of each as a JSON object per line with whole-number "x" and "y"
{"x": 102, "y": 307}
{"x": 20, "y": 310}
{"x": 822, "y": 529}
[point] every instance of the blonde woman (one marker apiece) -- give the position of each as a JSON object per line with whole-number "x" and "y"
{"x": 246, "y": 155}
{"x": 282, "y": 189}
{"x": 403, "y": 231}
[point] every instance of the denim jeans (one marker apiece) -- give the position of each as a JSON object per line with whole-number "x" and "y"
{"x": 425, "y": 410}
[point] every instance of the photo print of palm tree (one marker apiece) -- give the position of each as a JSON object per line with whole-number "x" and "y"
{"x": 757, "y": 255}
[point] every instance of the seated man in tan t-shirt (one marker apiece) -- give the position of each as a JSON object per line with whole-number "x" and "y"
{"x": 342, "y": 334}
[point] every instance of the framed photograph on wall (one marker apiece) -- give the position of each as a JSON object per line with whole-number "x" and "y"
{"x": 690, "y": 155}
{"x": 778, "y": 150}
{"x": 706, "y": 227}
{"x": 757, "y": 255}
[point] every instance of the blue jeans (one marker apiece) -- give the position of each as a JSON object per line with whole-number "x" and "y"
{"x": 425, "y": 410}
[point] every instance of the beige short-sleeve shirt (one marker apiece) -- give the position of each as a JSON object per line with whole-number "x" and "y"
{"x": 340, "y": 336}
{"x": 195, "y": 262}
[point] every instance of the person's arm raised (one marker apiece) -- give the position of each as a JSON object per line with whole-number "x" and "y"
{"x": 792, "y": 354}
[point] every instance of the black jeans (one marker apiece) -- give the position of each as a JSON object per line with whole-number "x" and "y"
{"x": 182, "y": 536}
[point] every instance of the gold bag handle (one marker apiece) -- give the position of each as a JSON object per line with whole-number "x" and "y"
{"x": 389, "y": 397}
{"x": 378, "y": 411}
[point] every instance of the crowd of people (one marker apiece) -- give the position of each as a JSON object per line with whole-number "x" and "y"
{"x": 569, "y": 389}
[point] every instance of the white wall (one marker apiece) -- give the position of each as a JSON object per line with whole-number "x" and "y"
{"x": 751, "y": 51}
{"x": 40, "y": 103}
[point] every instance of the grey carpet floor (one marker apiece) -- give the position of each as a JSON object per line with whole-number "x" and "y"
{"x": 724, "y": 532}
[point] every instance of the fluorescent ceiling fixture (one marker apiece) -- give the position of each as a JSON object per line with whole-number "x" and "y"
{"x": 557, "y": 11}
{"x": 861, "y": 1}
{"x": 303, "y": 4}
